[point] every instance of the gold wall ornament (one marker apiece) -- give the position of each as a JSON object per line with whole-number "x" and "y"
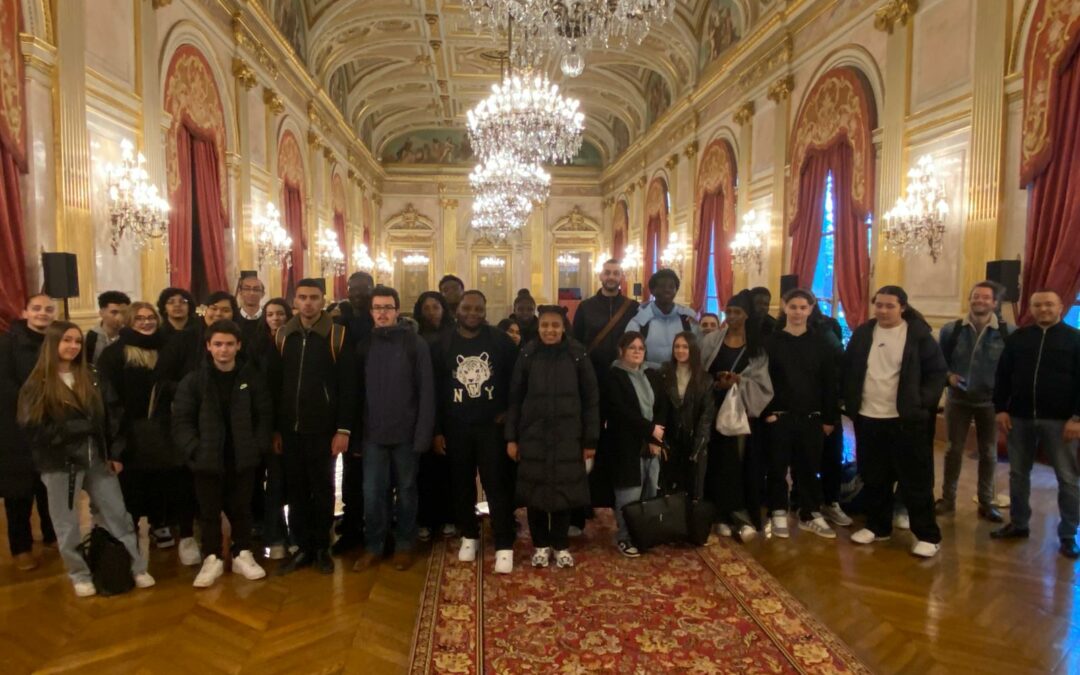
{"x": 327, "y": 153}
{"x": 436, "y": 45}
{"x": 244, "y": 38}
{"x": 893, "y": 12}
{"x": 642, "y": 180}
{"x": 630, "y": 188}
{"x": 672, "y": 161}
{"x": 691, "y": 149}
{"x": 351, "y": 173}
{"x": 780, "y": 54}
{"x": 312, "y": 113}
{"x": 781, "y": 89}
{"x": 160, "y": 4}
{"x": 314, "y": 140}
{"x": 745, "y": 113}
{"x": 431, "y": 19}
{"x": 273, "y": 101}
{"x": 377, "y": 200}
{"x": 243, "y": 73}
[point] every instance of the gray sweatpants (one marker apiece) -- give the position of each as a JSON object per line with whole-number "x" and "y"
{"x": 107, "y": 507}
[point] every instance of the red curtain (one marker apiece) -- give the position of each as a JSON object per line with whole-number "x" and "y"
{"x": 13, "y": 291}
{"x": 294, "y": 224}
{"x": 711, "y": 225}
{"x": 618, "y": 248}
{"x": 199, "y": 189}
{"x": 652, "y": 252}
{"x": 806, "y": 228}
{"x": 340, "y": 287}
{"x": 1052, "y": 254}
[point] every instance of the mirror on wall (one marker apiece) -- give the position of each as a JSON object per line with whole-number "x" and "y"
{"x": 492, "y": 273}
{"x": 412, "y": 275}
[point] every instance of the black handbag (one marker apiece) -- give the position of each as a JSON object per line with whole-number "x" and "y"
{"x": 109, "y": 562}
{"x": 656, "y": 521}
{"x": 699, "y": 519}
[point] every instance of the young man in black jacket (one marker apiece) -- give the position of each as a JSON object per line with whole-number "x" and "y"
{"x": 473, "y": 365}
{"x": 222, "y": 422}
{"x": 803, "y": 410}
{"x": 1037, "y": 398}
{"x": 313, "y": 378}
{"x": 398, "y": 419}
{"x": 894, "y": 373}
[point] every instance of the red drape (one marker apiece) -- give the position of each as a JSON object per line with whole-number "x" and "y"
{"x": 1052, "y": 253}
{"x": 199, "y": 188}
{"x": 293, "y": 211}
{"x": 340, "y": 287}
{"x": 806, "y": 228}
{"x": 13, "y": 291}
{"x": 618, "y": 248}
{"x": 652, "y": 252}
{"x": 711, "y": 225}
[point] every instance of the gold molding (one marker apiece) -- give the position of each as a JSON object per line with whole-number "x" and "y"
{"x": 641, "y": 181}
{"x": 273, "y": 101}
{"x": 631, "y": 187}
{"x": 243, "y": 73}
{"x": 781, "y": 89}
{"x": 672, "y": 161}
{"x": 894, "y": 12}
{"x": 691, "y": 149}
{"x": 243, "y": 37}
{"x": 313, "y": 139}
{"x": 745, "y": 113}
{"x": 160, "y": 4}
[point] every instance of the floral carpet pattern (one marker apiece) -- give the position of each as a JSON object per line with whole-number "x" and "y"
{"x": 675, "y": 609}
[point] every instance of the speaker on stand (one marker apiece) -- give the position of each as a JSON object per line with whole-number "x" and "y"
{"x": 1007, "y": 274}
{"x": 61, "y": 271}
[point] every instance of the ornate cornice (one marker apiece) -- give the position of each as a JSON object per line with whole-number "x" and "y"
{"x": 745, "y": 113}
{"x": 641, "y": 181}
{"x": 314, "y": 140}
{"x": 243, "y": 73}
{"x": 159, "y": 4}
{"x": 781, "y": 89}
{"x": 893, "y": 12}
{"x": 273, "y": 101}
{"x": 244, "y": 38}
{"x": 630, "y": 188}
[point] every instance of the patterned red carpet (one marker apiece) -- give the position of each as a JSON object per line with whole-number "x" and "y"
{"x": 708, "y": 610}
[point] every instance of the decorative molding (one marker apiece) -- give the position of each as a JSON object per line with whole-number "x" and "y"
{"x": 243, "y": 73}
{"x": 327, "y": 153}
{"x": 243, "y": 37}
{"x": 409, "y": 219}
{"x": 436, "y": 45}
{"x": 893, "y": 12}
{"x": 273, "y": 101}
{"x": 431, "y": 19}
{"x": 314, "y": 140}
{"x": 642, "y": 180}
{"x": 450, "y": 204}
{"x": 745, "y": 113}
{"x": 575, "y": 222}
{"x": 691, "y": 149}
{"x": 781, "y": 89}
{"x": 672, "y": 161}
{"x": 630, "y": 188}
{"x": 160, "y": 4}
{"x": 780, "y": 54}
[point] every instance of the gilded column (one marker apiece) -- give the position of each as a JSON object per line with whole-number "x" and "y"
{"x": 245, "y": 82}
{"x": 75, "y": 229}
{"x": 450, "y": 241}
{"x": 778, "y": 254}
{"x": 39, "y": 185}
{"x": 744, "y": 117}
{"x": 312, "y": 192}
{"x": 987, "y": 145}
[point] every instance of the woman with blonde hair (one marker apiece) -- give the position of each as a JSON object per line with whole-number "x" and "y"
{"x": 72, "y": 436}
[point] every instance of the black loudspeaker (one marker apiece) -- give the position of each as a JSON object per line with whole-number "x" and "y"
{"x": 637, "y": 290}
{"x": 1006, "y": 273}
{"x": 788, "y": 282}
{"x": 61, "y": 275}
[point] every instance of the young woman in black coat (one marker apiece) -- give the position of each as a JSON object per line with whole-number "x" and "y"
{"x": 633, "y": 406}
{"x": 552, "y": 428}
{"x": 691, "y": 411}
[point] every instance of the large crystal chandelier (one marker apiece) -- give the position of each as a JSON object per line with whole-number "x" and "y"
{"x": 749, "y": 243}
{"x": 331, "y": 259}
{"x": 504, "y": 173}
{"x": 135, "y": 207}
{"x": 273, "y": 243}
{"x": 497, "y": 215}
{"x": 918, "y": 218}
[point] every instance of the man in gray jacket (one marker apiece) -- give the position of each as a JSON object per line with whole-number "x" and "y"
{"x": 398, "y": 422}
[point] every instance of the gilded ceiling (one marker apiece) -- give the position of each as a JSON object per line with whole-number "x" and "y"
{"x": 411, "y": 69}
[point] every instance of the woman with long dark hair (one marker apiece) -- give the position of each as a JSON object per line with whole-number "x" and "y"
{"x": 512, "y": 328}
{"x": 432, "y": 315}
{"x": 72, "y": 433}
{"x": 688, "y": 424}
{"x": 525, "y": 313}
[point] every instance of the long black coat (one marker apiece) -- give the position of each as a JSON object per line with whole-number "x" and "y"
{"x": 19, "y": 349}
{"x": 628, "y": 431}
{"x": 554, "y": 415}
{"x": 923, "y": 371}
{"x": 688, "y": 425}
{"x": 199, "y": 429}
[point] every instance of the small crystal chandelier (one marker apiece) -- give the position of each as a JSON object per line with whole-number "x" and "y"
{"x": 632, "y": 259}
{"x": 498, "y": 214}
{"x": 598, "y": 267}
{"x": 331, "y": 259}
{"x": 675, "y": 254}
{"x": 918, "y": 218}
{"x": 274, "y": 245}
{"x": 568, "y": 262}
{"x": 362, "y": 258}
{"x": 749, "y": 243}
{"x": 492, "y": 263}
{"x": 507, "y": 174}
{"x": 415, "y": 260}
{"x": 135, "y": 206}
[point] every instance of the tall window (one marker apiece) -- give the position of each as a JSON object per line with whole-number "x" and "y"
{"x": 712, "y": 294}
{"x": 824, "y": 286}
{"x": 1072, "y": 318}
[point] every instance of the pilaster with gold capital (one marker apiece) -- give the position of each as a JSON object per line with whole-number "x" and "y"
{"x": 888, "y": 268}
{"x": 777, "y": 253}
{"x": 450, "y": 236}
{"x": 154, "y": 274}
{"x": 41, "y": 205}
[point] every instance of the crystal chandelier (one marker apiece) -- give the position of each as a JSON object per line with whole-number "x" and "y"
{"x": 362, "y": 258}
{"x": 568, "y": 262}
{"x": 331, "y": 259}
{"x": 632, "y": 259}
{"x": 415, "y": 260}
{"x": 598, "y": 267}
{"x": 749, "y": 243}
{"x": 918, "y": 218}
{"x": 492, "y": 263}
{"x": 504, "y": 173}
{"x": 274, "y": 245}
{"x": 675, "y": 254}
{"x": 135, "y": 206}
{"x": 498, "y": 214}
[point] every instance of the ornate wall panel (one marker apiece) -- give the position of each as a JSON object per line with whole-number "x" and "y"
{"x": 717, "y": 171}
{"x": 12, "y": 99}
{"x": 337, "y": 195}
{"x": 290, "y": 163}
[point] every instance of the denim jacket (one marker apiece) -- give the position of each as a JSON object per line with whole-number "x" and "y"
{"x": 974, "y": 358}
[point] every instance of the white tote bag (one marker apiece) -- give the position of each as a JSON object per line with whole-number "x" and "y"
{"x": 731, "y": 419}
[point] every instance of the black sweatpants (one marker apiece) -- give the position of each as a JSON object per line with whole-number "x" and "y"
{"x": 309, "y": 470}
{"x": 832, "y": 462}
{"x": 481, "y": 447}
{"x": 229, "y": 493}
{"x": 352, "y": 494}
{"x": 18, "y": 510}
{"x": 733, "y": 480}
{"x": 436, "y": 507}
{"x": 891, "y": 451}
{"x": 795, "y": 441}
{"x": 549, "y": 529}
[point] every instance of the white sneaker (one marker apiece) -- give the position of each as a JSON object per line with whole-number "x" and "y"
{"x": 449, "y": 530}
{"x": 818, "y": 526}
{"x": 84, "y": 589}
{"x": 467, "y": 552}
{"x": 144, "y": 580}
{"x": 925, "y": 549}
{"x": 504, "y": 561}
{"x": 563, "y": 559}
{"x": 866, "y": 536}
{"x": 835, "y": 515}
{"x": 277, "y": 552}
{"x": 541, "y": 557}
{"x": 723, "y": 529}
{"x": 212, "y": 568}
{"x": 575, "y": 531}
{"x": 780, "y": 524}
{"x": 901, "y": 521}
{"x": 244, "y": 564}
{"x": 746, "y": 533}
{"x": 189, "y": 551}
{"x": 423, "y": 533}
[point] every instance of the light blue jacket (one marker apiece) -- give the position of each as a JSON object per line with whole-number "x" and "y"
{"x": 662, "y": 329}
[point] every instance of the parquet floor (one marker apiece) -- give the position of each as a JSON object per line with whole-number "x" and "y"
{"x": 979, "y": 607}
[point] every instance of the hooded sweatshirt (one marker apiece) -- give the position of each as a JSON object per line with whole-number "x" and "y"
{"x": 661, "y": 329}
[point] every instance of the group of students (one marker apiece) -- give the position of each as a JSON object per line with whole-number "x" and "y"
{"x": 161, "y": 413}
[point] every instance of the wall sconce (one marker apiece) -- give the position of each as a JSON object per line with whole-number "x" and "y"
{"x": 749, "y": 243}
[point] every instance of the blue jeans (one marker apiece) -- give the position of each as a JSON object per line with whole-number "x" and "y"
{"x": 650, "y": 476}
{"x": 386, "y": 466}
{"x": 1026, "y": 437}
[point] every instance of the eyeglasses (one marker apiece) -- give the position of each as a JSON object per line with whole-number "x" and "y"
{"x": 144, "y": 319}
{"x": 383, "y": 308}
{"x": 634, "y": 348}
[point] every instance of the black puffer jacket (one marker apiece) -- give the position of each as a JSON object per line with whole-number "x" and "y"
{"x": 19, "y": 349}
{"x": 145, "y": 401}
{"x": 553, "y": 416}
{"x": 199, "y": 429}
{"x": 922, "y": 371}
{"x": 688, "y": 421}
{"x": 74, "y": 441}
{"x": 628, "y": 432}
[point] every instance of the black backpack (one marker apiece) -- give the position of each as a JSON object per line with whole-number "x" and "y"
{"x": 109, "y": 562}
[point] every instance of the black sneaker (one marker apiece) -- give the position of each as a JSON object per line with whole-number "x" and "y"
{"x": 1011, "y": 531}
{"x": 324, "y": 564}
{"x": 629, "y": 550}
{"x": 991, "y": 513}
{"x": 300, "y": 560}
{"x": 945, "y": 507}
{"x": 1069, "y": 548}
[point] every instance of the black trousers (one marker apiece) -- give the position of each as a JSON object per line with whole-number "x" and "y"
{"x": 734, "y": 480}
{"x": 480, "y": 447}
{"x": 436, "y": 507}
{"x": 549, "y": 529}
{"x": 18, "y": 510}
{"x": 795, "y": 441}
{"x": 309, "y": 484}
{"x": 352, "y": 495}
{"x": 832, "y": 462}
{"x": 897, "y": 451}
{"x": 228, "y": 493}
